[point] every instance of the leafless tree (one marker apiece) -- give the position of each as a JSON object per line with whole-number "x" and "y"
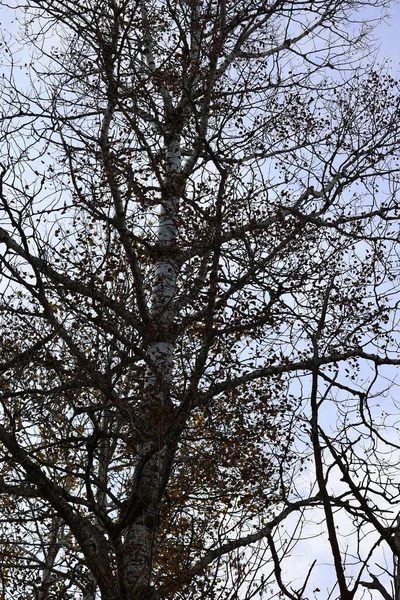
{"x": 199, "y": 237}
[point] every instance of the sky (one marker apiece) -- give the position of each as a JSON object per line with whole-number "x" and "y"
{"x": 388, "y": 33}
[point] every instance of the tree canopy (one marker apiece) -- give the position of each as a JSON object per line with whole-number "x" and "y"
{"x": 198, "y": 301}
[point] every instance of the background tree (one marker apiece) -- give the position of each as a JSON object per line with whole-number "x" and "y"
{"x": 199, "y": 234}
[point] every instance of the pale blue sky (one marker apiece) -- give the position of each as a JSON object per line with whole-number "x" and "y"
{"x": 388, "y": 33}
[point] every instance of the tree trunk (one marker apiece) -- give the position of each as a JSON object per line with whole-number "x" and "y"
{"x": 140, "y": 536}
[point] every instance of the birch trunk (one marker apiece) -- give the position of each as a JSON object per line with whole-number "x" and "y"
{"x": 140, "y": 536}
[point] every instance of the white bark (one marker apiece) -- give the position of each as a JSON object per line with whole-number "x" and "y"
{"x": 165, "y": 273}
{"x": 139, "y": 538}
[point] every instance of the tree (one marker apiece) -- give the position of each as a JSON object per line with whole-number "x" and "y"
{"x": 199, "y": 233}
